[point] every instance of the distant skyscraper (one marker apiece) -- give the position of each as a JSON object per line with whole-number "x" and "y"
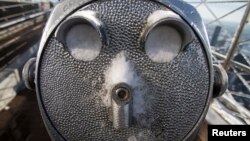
{"x": 215, "y": 35}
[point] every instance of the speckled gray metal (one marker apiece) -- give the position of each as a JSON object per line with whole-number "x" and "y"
{"x": 68, "y": 90}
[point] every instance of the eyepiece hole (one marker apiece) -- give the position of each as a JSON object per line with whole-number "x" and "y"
{"x": 122, "y": 94}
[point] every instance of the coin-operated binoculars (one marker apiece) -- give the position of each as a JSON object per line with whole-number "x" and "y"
{"x": 136, "y": 70}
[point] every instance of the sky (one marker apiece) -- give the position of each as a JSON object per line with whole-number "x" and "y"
{"x": 220, "y": 9}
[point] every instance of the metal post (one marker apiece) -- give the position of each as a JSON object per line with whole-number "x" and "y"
{"x": 236, "y": 38}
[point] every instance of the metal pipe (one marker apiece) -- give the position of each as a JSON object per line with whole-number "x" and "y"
{"x": 121, "y": 106}
{"x": 21, "y": 19}
{"x": 239, "y": 65}
{"x": 236, "y": 38}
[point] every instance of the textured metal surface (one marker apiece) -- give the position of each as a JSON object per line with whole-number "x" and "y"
{"x": 70, "y": 89}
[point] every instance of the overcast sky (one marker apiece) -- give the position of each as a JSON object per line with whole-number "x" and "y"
{"x": 220, "y": 9}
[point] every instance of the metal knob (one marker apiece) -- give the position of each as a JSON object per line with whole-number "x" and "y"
{"x": 28, "y": 73}
{"x": 121, "y": 106}
{"x": 220, "y": 81}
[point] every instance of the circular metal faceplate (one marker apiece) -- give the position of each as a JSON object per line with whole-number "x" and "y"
{"x": 174, "y": 94}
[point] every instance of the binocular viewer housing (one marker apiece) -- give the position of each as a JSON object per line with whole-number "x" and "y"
{"x": 124, "y": 70}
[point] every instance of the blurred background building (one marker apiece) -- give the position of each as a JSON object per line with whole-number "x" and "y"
{"x": 21, "y": 26}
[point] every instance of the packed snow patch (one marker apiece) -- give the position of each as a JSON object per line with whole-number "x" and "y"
{"x": 123, "y": 71}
